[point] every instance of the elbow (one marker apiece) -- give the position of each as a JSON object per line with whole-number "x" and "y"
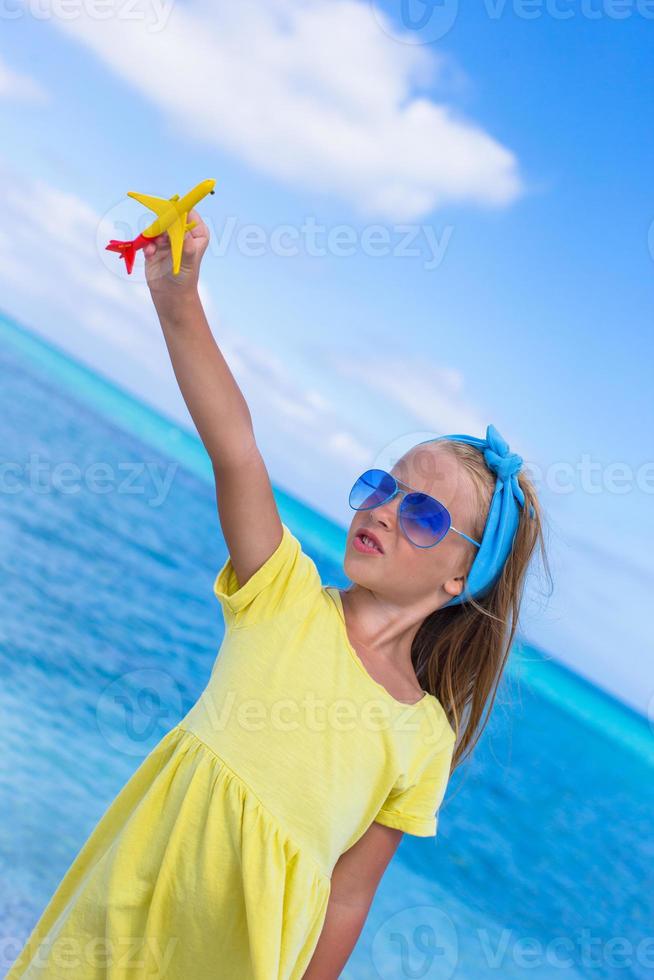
{"x": 236, "y": 456}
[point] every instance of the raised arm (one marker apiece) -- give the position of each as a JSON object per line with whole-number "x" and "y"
{"x": 246, "y": 506}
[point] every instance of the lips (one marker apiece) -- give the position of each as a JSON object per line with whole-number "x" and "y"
{"x": 369, "y": 540}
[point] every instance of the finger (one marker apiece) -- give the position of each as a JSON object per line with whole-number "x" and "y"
{"x": 199, "y": 230}
{"x": 188, "y": 247}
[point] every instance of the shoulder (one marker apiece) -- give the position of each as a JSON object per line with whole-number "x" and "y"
{"x": 287, "y": 578}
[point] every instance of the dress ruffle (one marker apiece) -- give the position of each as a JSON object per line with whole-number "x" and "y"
{"x": 187, "y": 876}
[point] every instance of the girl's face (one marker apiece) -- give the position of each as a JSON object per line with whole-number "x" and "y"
{"x": 403, "y": 573}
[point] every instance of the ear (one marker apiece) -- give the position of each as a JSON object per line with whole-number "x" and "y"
{"x": 454, "y": 586}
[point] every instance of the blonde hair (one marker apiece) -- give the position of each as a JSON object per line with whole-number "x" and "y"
{"x": 459, "y": 652}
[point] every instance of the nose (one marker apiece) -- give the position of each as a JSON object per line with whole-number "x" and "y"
{"x": 386, "y": 513}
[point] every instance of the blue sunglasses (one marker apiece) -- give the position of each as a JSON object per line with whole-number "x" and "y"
{"x": 424, "y": 520}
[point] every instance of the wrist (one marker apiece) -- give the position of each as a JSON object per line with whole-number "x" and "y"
{"x": 175, "y": 307}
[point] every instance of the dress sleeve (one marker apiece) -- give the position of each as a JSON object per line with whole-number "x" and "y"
{"x": 413, "y": 807}
{"x": 288, "y": 576}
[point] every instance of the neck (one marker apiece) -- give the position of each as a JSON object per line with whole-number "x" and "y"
{"x": 383, "y": 628}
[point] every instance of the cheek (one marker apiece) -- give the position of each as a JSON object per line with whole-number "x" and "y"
{"x": 430, "y": 564}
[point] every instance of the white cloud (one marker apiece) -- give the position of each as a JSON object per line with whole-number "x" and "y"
{"x": 52, "y": 253}
{"x": 19, "y": 87}
{"x": 431, "y": 394}
{"x": 312, "y": 92}
{"x": 345, "y": 445}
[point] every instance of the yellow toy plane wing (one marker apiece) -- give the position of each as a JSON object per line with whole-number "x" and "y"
{"x": 176, "y": 234}
{"x": 157, "y": 204}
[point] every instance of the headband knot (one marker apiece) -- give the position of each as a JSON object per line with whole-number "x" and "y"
{"x": 502, "y": 461}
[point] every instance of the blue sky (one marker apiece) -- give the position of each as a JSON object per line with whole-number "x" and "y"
{"x": 512, "y": 150}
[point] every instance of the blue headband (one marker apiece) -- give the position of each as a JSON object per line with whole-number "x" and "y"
{"x": 503, "y": 515}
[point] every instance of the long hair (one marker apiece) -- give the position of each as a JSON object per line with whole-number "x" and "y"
{"x": 459, "y": 652}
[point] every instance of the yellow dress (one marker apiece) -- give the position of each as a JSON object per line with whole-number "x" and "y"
{"x": 215, "y": 859}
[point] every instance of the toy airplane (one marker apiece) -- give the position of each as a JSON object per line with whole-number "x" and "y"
{"x": 171, "y": 217}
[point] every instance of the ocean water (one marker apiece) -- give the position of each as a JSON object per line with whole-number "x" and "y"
{"x": 544, "y": 861}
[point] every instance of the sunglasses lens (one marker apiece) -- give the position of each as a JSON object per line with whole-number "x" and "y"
{"x": 424, "y": 520}
{"x": 371, "y": 489}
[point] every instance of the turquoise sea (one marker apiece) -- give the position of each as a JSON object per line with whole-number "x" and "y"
{"x": 544, "y": 861}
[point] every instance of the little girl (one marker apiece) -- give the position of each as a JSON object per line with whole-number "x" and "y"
{"x": 249, "y": 844}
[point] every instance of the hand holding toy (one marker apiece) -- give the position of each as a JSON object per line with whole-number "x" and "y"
{"x": 171, "y": 217}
